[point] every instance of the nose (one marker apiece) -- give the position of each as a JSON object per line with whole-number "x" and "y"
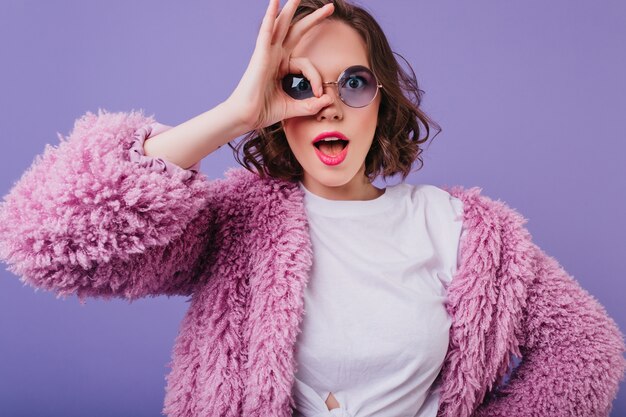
{"x": 334, "y": 110}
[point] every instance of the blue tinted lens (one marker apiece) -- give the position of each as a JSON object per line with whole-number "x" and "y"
{"x": 357, "y": 86}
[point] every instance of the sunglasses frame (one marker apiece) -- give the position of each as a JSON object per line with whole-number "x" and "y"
{"x": 379, "y": 86}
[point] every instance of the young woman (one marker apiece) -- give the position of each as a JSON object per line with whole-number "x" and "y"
{"x": 313, "y": 291}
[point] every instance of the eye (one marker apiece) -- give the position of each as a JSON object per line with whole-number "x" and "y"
{"x": 355, "y": 82}
{"x": 301, "y": 83}
{"x": 297, "y": 86}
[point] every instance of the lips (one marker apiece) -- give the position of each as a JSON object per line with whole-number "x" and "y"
{"x": 331, "y": 147}
{"x": 332, "y": 159}
{"x": 330, "y": 143}
{"x": 333, "y": 134}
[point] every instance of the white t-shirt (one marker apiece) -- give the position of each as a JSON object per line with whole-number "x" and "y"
{"x": 375, "y": 330}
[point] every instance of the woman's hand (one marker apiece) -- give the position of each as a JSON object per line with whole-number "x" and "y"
{"x": 259, "y": 98}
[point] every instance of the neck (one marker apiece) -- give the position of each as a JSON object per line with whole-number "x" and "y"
{"x": 353, "y": 190}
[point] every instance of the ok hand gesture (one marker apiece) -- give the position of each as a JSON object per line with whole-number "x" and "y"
{"x": 259, "y": 98}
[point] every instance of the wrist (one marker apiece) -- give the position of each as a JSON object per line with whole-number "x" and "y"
{"x": 240, "y": 120}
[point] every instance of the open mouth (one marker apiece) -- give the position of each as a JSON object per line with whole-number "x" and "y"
{"x": 332, "y": 146}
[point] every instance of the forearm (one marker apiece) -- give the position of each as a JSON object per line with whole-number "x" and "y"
{"x": 82, "y": 218}
{"x": 191, "y": 141}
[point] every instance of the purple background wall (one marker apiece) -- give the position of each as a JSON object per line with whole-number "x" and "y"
{"x": 531, "y": 97}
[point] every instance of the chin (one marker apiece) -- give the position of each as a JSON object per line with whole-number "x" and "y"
{"x": 333, "y": 178}
{"x": 336, "y": 182}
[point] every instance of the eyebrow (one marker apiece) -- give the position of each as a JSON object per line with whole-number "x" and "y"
{"x": 366, "y": 65}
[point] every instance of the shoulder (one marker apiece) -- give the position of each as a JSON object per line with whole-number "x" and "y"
{"x": 493, "y": 224}
{"x": 477, "y": 206}
{"x": 241, "y": 185}
{"x": 422, "y": 191}
{"x": 244, "y": 193}
{"x": 432, "y": 198}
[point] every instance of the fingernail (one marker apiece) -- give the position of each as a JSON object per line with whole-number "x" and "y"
{"x": 320, "y": 91}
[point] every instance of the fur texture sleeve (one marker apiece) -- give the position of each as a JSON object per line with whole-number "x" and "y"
{"x": 572, "y": 350}
{"x": 89, "y": 218}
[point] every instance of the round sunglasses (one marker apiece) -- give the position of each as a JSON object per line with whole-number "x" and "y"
{"x": 357, "y": 86}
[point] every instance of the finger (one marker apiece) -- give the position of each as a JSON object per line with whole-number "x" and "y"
{"x": 307, "y": 107}
{"x": 284, "y": 20}
{"x": 305, "y": 24}
{"x": 304, "y": 66}
{"x": 267, "y": 25}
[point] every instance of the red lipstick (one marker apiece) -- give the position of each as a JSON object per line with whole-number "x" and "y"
{"x": 331, "y": 159}
{"x": 334, "y": 134}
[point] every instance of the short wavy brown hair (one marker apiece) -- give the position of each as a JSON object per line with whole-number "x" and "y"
{"x": 397, "y": 142}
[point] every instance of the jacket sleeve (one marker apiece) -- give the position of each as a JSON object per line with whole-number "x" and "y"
{"x": 95, "y": 216}
{"x": 572, "y": 350}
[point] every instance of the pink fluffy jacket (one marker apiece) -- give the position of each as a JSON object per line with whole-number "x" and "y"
{"x": 96, "y": 217}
